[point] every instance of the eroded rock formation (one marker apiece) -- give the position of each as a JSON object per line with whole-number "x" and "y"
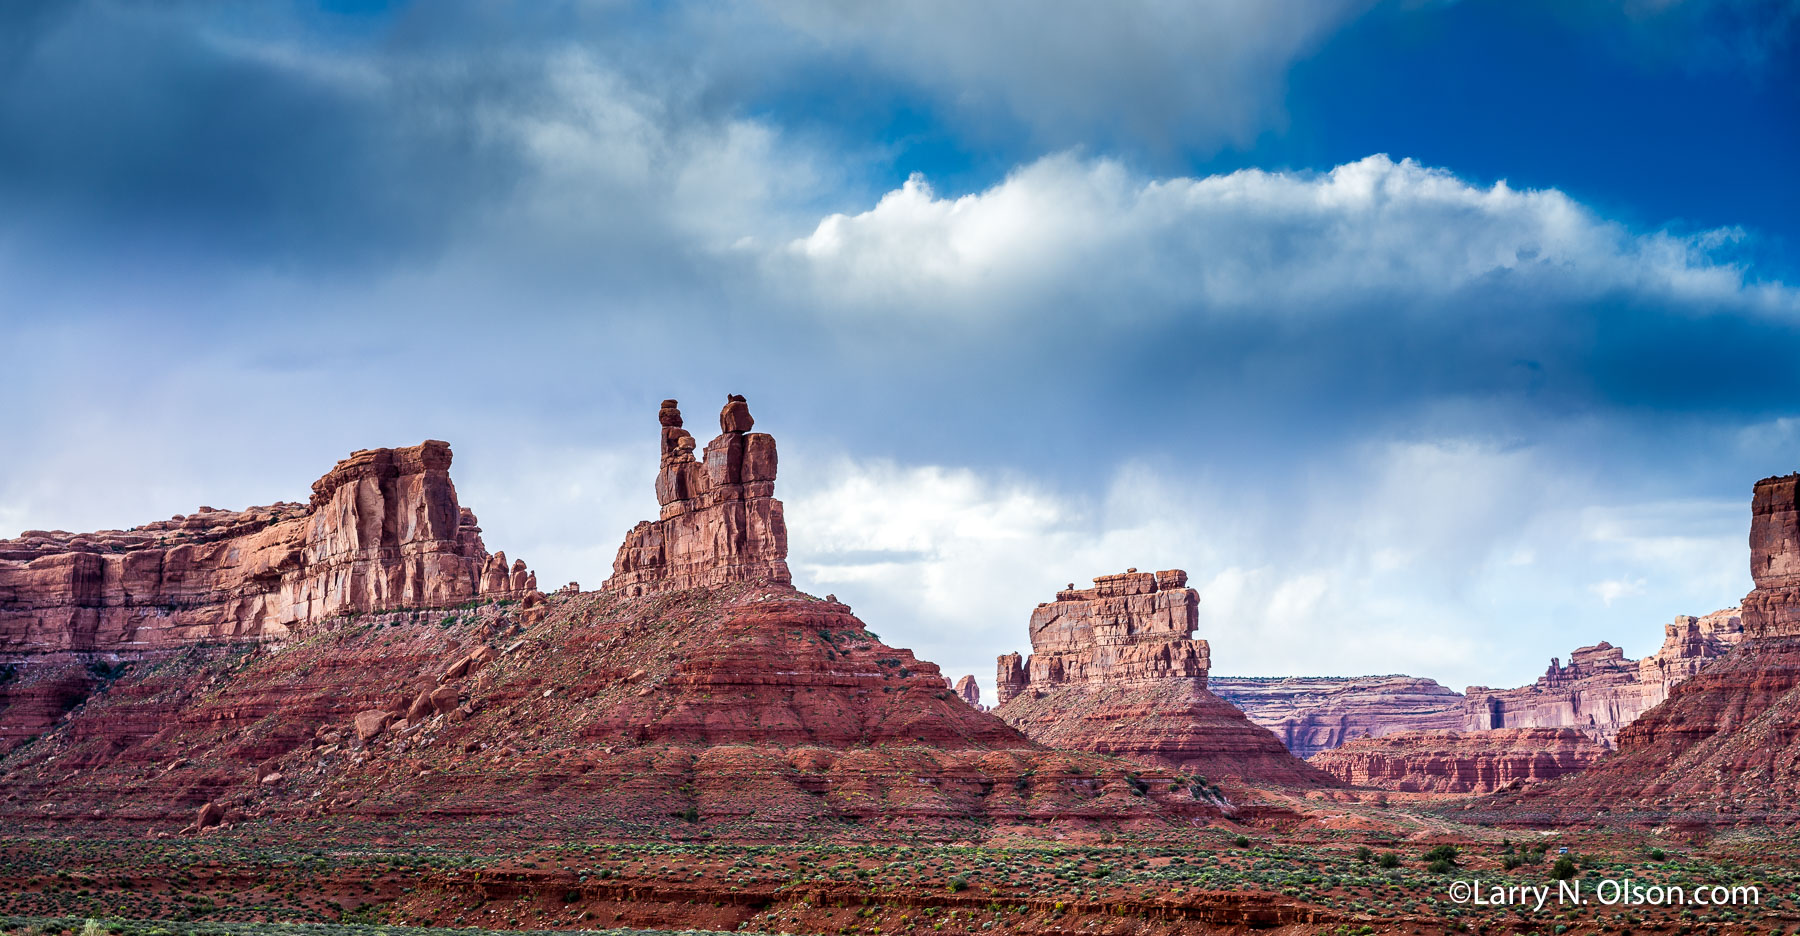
{"x": 1131, "y": 626}
{"x": 655, "y": 707}
{"x": 1599, "y": 691}
{"x": 720, "y": 520}
{"x": 1317, "y": 713}
{"x": 1460, "y": 762}
{"x": 1115, "y": 669}
{"x": 382, "y": 530}
{"x": 1725, "y": 745}
{"x": 970, "y": 691}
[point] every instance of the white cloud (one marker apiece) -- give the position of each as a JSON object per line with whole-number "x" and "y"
{"x": 1454, "y": 560}
{"x": 1090, "y": 233}
{"x": 1613, "y": 589}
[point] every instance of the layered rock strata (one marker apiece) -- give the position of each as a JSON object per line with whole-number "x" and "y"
{"x": 382, "y": 530}
{"x": 1115, "y": 669}
{"x": 1128, "y": 627}
{"x": 1599, "y": 691}
{"x": 1460, "y": 762}
{"x": 1317, "y": 713}
{"x": 720, "y": 521}
{"x": 1725, "y": 745}
{"x": 741, "y": 708}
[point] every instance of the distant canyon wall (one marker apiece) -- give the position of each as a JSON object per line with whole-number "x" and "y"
{"x": 1598, "y": 692}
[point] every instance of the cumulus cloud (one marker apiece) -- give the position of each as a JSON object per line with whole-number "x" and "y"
{"x": 1067, "y": 229}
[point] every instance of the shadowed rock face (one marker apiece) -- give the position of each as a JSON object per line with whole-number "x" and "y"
{"x": 1460, "y": 762}
{"x": 382, "y": 530}
{"x": 1773, "y": 608}
{"x": 720, "y": 520}
{"x": 1115, "y": 669}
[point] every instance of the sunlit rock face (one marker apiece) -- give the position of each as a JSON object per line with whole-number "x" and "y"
{"x": 382, "y": 530}
{"x": 1115, "y": 669}
{"x": 720, "y": 520}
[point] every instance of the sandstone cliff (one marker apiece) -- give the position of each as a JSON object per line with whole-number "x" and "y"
{"x": 383, "y": 530}
{"x": 1115, "y": 669}
{"x": 720, "y": 520}
{"x": 1460, "y": 762}
{"x": 1316, "y": 713}
{"x": 1599, "y": 691}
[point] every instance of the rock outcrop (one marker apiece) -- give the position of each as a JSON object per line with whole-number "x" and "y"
{"x": 720, "y": 520}
{"x": 970, "y": 692}
{"x": 1599, "y": 691}
{"x": 1725, "y": 745}
{"x": 1460, "y": 762}
{"x": 1115, "y": 669}
{"x": 1128, "y": 627}
{"x": 1317, "y": 713}
{"x": 383, "y": 530}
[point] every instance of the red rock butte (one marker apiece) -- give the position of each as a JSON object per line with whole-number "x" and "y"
{"x": 383, "y": 530}
{"x": 1115, "y": 669}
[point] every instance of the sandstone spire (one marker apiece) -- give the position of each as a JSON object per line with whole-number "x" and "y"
{"x": 720, "y": 520}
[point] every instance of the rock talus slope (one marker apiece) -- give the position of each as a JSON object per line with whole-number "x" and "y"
{"x": 382, "y": 530}
{"x": 1115, "y": 669}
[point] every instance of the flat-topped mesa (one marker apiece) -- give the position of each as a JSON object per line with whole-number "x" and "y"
{"x": 720, "y": 520}
{"x": 1773, "y": 608}
{"x": 1724, "y": 746}
{"x": 382, "y": 530}
{"x": 1317, "y": 713}
{"x": 1131, "y": 626}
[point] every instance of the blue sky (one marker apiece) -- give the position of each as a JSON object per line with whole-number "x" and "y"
{"x": 1429, "y": 337}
